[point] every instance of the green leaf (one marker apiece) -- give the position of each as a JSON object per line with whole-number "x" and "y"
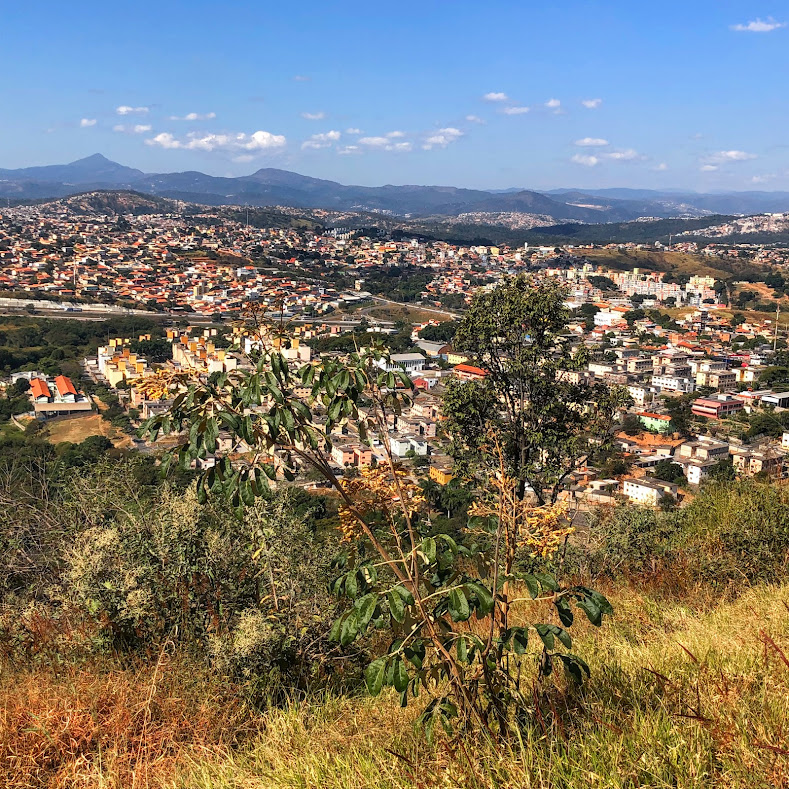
{"x": 547, "y": 581}
{"x": 602, "y": 603}
{"x": 336, "y": 629}
{"x": 429, "y": 549}
{"x": 451, "y": 544}
{"x": 458, "y": 606}
{"x": 575, "y": 667}
{"x": 593, "y": 613}
{"x": 374, "y": 676}
{"x": 520, "y": 640}
{"x": 365, "y": 607}
{"x": 352, "y": 585}
{"x": 564, "y": 611}
{"x": 564, "y": 637}
{"x": 408, "y": 598}
{"x": 462, "y": 649}
{"x": 532, "y": 584}
{"x": 546, "y": 634}
{"x": 396, "y": 606}
{"x": 415, "y": 653}
{"x": 350, "y": 629}
{"x": 400, "y": 675}
{"x": 484, "y": 598}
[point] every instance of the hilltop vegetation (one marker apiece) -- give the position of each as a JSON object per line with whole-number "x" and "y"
{"x": 134, "y": 648}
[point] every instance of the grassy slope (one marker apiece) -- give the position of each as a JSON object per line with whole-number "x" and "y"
{"x": 677, "y": 699}
{"x": 681, "y": 696}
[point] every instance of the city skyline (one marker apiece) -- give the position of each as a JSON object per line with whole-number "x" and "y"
{"x": 491, "y": 98}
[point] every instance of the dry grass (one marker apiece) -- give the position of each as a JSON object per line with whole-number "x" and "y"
{"x": 111, "y": 727}
{"x": 408, "y": 313}
{"x": 75, "y": 429}
{"x": 678, "y": 699}
{"x": 681, "y": 696}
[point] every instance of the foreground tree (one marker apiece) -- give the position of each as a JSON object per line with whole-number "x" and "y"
{"x": 549, "y": 421}
{"x": 462, "y": 619}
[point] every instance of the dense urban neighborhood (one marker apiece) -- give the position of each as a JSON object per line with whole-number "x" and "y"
{"x": 707, "y": 383}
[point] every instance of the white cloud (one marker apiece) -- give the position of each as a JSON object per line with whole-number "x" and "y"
{"x": 124, "y": 109}
{"x": 591, "y": 142}
{"x": 385, "y": 144}
{"x": 515, "y": 110}
{"x": 662, "y": 167}
{"x": 374, "y": 142}
{"x": 586, "y": 161}
{"x": 87, "y": 122}
{"x": 140, "y": 128}
{"x": 239, "y": 142}
{"x": 301, "y": 78}
{"x": 353, "y": 131}
{"x": 474, "y": 119}
{"x": 313, "y": 116}
{"x": 592, "y": 104}
{"x": 723, "y": 157}
{"x": 628, "y": 155}
{"x": 495, "y": 97}
{"x": 442, "y": 138}
{"x": 318, "y": 141}
{"x": 194, "y": 116}
{"x": 759, "y": 26}
{"x": 348, "y": 149}
{"x": 763, "y": 179}
{"x": 708, "y": 168}
{"x": 395, "y": 135}
{"x": 553, "y": 104}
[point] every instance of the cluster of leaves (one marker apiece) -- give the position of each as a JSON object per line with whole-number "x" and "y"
{"x": 549, "y": 425}
{"x": 473, "y": 658}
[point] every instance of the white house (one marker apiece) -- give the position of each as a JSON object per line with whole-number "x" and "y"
{"x": 647, "y": 491}
{"x": 403, "y": 445}
{"x": 410, "y": 362}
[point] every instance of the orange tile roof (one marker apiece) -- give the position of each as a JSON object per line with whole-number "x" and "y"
{"x": 65, "y": 386}
{"x": 40, "y": 388}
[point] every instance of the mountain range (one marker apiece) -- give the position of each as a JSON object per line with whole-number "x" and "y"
{"x": 271, "y": 186}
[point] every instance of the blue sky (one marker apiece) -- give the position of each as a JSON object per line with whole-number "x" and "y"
{"x": 481, "y": 94}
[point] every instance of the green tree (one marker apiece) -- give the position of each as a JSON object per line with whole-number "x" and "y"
{"x": 547, "y": 425}
{"x": 668, "y": 471}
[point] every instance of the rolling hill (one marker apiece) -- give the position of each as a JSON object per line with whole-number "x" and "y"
{"x": 275, "y": 187}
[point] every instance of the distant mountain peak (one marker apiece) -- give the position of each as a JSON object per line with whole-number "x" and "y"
{"x": 270, "y": 186}
{"x": 97, "y": 158}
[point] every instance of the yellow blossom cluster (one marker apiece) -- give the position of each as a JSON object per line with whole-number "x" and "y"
{"x": 378, "y": 490}
{"x": 547, "y": 528}
{"x": 541, "y": 530}
{"x": 162, "y": 385}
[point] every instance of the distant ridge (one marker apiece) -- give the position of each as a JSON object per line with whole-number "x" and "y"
{"x": 271, "y": 186}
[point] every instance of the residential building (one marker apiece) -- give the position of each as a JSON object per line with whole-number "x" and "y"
{"x": 647, "y": 490}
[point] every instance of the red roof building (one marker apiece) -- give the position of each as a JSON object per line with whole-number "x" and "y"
{"x": 467, "y": 372}
{"x": 65, "y": 387}
{"x": 40, "y": 389}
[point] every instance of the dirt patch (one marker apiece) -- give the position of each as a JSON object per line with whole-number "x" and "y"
{"x": 76, "y": 429}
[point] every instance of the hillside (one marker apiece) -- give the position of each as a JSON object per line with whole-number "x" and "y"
{"x": 272, "y": 186}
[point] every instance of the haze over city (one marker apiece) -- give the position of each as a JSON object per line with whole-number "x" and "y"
{"x": 496, "y": 95}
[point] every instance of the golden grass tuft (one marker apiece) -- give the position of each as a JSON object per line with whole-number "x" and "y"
{"x": 110, "y": 727}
